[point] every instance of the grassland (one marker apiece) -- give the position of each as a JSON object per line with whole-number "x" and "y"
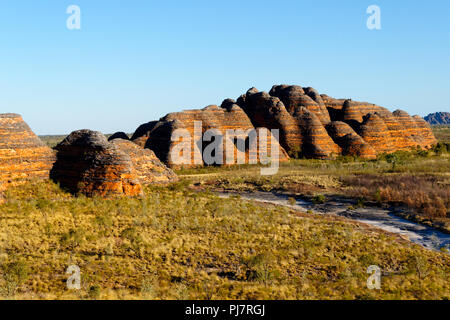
{"x": 442, "y": 133}
{"x": 174, "y": 243}
{"x": 419, "y": 180}
{"x": 183, "y": 242}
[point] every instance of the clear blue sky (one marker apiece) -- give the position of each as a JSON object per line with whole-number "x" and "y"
{"x": 135, "y": 61}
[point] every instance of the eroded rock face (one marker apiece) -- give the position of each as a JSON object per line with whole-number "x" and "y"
{"x": 119, "y": 135}
{"x": 310, "y": 124}
{"x": 196, "y": 123}
{"x": 88, "y": 164}
{"x": 295, "y": 97}
{"x": 148, "y": 168}
{"x": 424, "y": 130}
{"x": 316, "y": 141}
{"x": 23, "y": 155}
{"x": 349, "y": 141}
{"x": 142, "y": 133}
{"x": 375, "y": 132}
{"x": 269, "y": 112}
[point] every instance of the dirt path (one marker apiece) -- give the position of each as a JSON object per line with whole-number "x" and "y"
{"x": 382, "y": 218}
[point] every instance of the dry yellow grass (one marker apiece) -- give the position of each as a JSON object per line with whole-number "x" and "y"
{"x": 176, "y": 244}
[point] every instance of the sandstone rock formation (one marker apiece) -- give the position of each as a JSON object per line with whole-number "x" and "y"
{"x": 149, "y": 169}
{"x": 349, "y": 141}
{"x": 23, "y": 155}
{"x": 310, "y": 124}
{"x": 376, "y": 133}
{"x": 316, "y": 141}
{"x": 142, "y": 133}
{"x": 196, "y": 123}
{"x": 119, "y": 135}
{"x": 424, "y": 130}
{"x": 294, "y": 97}
{"x": 269, "y": 112}
{"x": 88, "y": 164}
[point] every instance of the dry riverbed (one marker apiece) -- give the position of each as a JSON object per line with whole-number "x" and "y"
{"x": 387, "y": 219}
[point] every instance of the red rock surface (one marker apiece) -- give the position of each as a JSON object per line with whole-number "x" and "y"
{"x": 88, "y": 164}
{"x": 316, "y": 141}
{"x": 269, "y": 112}
{"x": 230, "y": 117}
{"x": 424, "y": 130}
{"x": 300, "y": 114}
{"x": 149, "y": 169}
{"x": 23, "y": 155}
{"x": 349, "y": 141}
{"x": 294, "y": 97}
{"x": 375, "y": 132}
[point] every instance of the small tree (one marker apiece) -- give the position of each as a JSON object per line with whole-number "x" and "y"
{"x": 393, "y": 159}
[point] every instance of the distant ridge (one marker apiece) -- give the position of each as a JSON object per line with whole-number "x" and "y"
{"x": 438, "y": 118}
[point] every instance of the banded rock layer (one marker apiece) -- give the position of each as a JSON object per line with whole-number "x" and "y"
{"x": 23, "y": 155}
{"x": 89, "y": 164}
{"x": 149, "y": 169}
{"x": 195, "y": 123}
{"x": 310, "y": 124}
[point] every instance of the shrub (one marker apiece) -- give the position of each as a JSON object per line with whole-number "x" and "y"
{"x": 319, "y": 199}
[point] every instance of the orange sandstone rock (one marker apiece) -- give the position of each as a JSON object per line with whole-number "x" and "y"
{"x": 149, "y": 169}
{"x": 375, "y": 132}
{"x": 225, "y": 120}
{"x": 424, "y": 129}
{"x": 269, "y": 112}
{"x": 349, "y": 141}
{"x": 300, "y": 114}
{"x": 294, "y": 97}
{"x": 88, "y": 164}
{"x": 23, "y": 155}
{"x": 316, "y": 141}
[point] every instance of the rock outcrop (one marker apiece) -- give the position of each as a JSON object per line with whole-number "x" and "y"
{"x": 438, "y": 118}
{"x": 23, "y": 155}
{"x": 142, "y": 133}
{"x": 149, "y": 169}
{"x": 349, "y": 141}
{"x": 376, "y": 133}
{"x": 195, "y": 123}
{"x": 119, "y": 135}
{"x": 424, "y": 130}
{"x": 310, "y": 124}
{"x": 87, "y": 163}
{"x": 316, "y": 141}
{"x": 294, "y": 97}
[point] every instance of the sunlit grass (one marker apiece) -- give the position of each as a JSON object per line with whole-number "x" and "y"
{"x": 176, "y": 244}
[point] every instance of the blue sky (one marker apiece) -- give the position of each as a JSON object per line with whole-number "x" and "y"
{"x": 135, "y": 61}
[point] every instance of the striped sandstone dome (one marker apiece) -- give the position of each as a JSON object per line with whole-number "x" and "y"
{"x": 23, "y": 155}
{"x": 89, "y": 164}
{"x": 312, "y": 125}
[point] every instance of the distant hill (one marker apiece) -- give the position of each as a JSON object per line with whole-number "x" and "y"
{"x": 438, "y": 118}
